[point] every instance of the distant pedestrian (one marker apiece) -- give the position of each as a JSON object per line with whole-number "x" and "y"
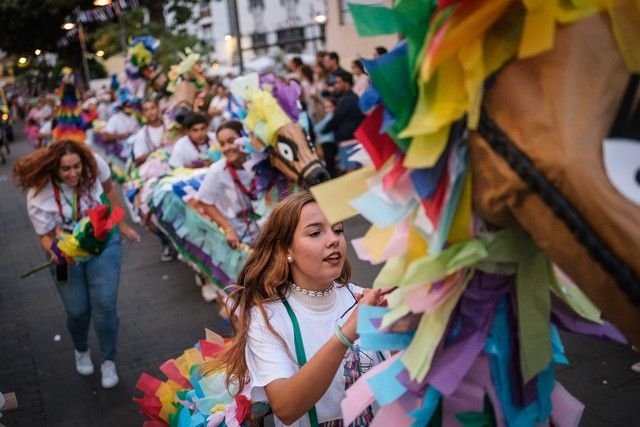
{"x": 63, "y": 180}
{"x": 346, "y": 119}
{"x": 361, "y": 79}
{"x": 333, "y": 68}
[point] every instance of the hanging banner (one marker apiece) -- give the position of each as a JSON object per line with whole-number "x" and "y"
{"x": 100, "y": 14}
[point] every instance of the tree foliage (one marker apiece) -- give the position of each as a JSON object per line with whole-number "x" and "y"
{"x": 106, "y": 38}
{"x": 36, "y": 24}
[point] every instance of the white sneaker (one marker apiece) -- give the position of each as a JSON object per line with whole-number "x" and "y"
{"x": 167, "y": 254}
{"x": 109, "y": 375}
{"x": 84, "y": 365}
{"x": 208, "y": 292}
{"x": 199, "y": 280}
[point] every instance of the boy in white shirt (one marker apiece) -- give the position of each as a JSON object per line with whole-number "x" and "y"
{"x": 120, "y": 126}
{"x": 189, "y": 150}
{"x": 150, "y": 137}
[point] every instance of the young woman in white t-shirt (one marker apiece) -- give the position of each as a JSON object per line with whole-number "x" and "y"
{"x": 63, "y": 180}
{"x": 298, "y": 274}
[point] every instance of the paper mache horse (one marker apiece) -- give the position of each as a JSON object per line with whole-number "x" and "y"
{"x": 504, "y": 202}
{"x": 506, "y": 167}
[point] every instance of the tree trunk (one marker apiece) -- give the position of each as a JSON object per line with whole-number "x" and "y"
{"x": 156, "y": 10}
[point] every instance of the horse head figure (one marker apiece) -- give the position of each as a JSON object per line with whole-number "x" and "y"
{"x": 504, "y": 136}
{"x": 537, "y": 162}
{"x": 274, "y": 118}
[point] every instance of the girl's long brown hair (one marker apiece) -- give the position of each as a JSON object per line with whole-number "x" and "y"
{"x": 40, "y": 166}
{"x": 265, "y": 277}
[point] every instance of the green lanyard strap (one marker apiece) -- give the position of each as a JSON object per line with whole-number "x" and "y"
{"x": 300, "y": 354}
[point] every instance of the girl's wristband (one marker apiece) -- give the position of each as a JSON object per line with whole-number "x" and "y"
{"x": 343, "y": 339}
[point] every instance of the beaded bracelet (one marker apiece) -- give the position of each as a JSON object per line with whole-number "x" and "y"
{"x": 343, "y": 339}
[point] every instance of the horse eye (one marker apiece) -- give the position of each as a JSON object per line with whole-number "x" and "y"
{"x": 622, "y": 164}
{"x": 287, "y": 151}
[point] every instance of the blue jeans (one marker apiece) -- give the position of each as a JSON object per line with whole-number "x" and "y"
{"x": 92, "y": 293}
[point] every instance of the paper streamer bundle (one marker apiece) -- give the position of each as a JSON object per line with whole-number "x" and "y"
{"x": 476, "y": 315}
{"x": 189, "y": 399}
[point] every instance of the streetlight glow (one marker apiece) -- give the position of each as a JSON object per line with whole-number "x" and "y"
{"x": 68, "y": 26}
{"x": 320, "y": 18}
{"x": 101, "y": 2}
{"x": 37, "y": 52}
{"x": 22, "y": 60}
{"x": 100, "y": 53}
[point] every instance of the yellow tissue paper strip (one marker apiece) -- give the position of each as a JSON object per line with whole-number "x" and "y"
{"x": 263, "y": 108}
{"x": 426, "y": 149}
{"x": 193, "y": 357}
{"x": 539, "y": 27}
{"x": 461, "y": 224}
{"x": 69, "y": 245}
{"x": 375, "y": 241}
{"x": 419, "y": 355}
{"x": 333, "y": 196}
{"x": 440, "y": 101}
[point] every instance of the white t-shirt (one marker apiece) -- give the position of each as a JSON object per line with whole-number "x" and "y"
{"x": 219, "y": 189}
{"x": 268, "y": 360}
{"x": 147, "y": 139}
{"x": 184, "y": 152}
{"x": 43, "y": 209}
{"x": 121, "y": 123}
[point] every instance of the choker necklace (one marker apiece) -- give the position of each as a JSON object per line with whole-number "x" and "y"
{"x": 312, "y": 293}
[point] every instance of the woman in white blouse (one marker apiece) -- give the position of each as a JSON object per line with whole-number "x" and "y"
{"x": 294, "y": 315}
{"x": 62, "y": 181}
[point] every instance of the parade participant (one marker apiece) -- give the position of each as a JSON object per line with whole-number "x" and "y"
{"x": 225, "y": 194}
{"x": 188, "y": 150}
{"x": 218, "y": 106}
{"x": 63, "y": 180}
{"x": 361, "y": 81}
{"x": 294, "y": 298}
{"x": 150, "y": 137}
{"x": 120, "y": 125}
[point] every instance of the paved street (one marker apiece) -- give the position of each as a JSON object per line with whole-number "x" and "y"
{"x": 162, "y": 313}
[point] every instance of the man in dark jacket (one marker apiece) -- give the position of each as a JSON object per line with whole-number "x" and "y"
{"x": 346, "y": 119}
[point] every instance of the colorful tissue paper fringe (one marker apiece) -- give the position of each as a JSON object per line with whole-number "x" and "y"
{"x": 69, "y": 124}
{"x": 189, "y": 399}
{"x": 476, "y": 315}
{"x": 91, "y": 233}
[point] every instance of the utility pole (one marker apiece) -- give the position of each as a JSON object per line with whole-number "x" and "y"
{"x": 83, "y": 48}
{"x": 121, "y": 31}
{"x": 234, "y": 25}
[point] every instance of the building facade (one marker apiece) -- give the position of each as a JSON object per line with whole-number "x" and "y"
{"x": 267, "y": 28}
{"x": 341, "y": 35}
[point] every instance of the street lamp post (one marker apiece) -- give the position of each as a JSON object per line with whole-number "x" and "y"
{"x": 121, "y": 29}
{"x": 69, "y": 25}
{"x": 83, "y": 48}
{"x": 234, "y": 25}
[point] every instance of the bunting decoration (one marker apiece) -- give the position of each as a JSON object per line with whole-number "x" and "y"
{"x": 98, "y": 14}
